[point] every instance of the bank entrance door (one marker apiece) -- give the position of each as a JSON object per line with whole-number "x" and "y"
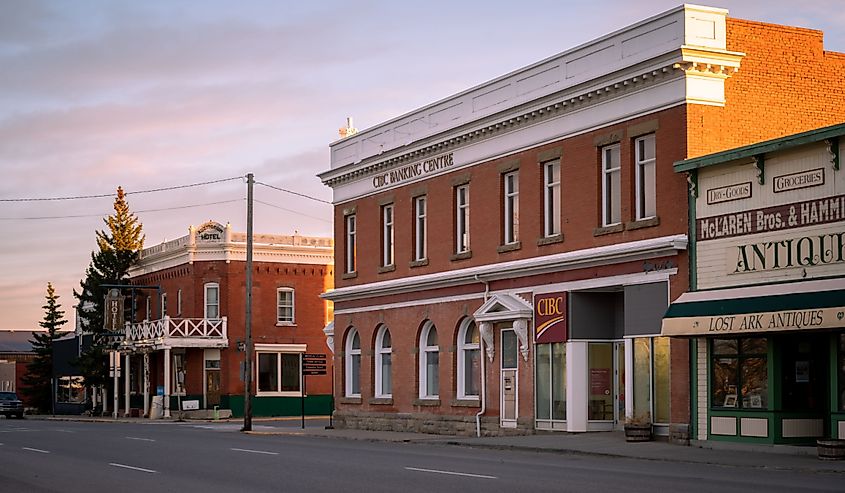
{"x": 509, "y": 404}
{"x": 607, "y": 385}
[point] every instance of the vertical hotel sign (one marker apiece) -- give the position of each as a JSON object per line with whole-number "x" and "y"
{"x": 551, "y": 319}
{"x": 114, "y": 311}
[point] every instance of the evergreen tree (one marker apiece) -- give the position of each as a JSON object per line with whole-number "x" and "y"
{"x": 118, "y": 248}
{"x": 38, "y": 381}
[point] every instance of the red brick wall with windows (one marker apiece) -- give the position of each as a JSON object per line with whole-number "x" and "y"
{"x": 580, "y": 204}
{"x": 310, "y": 311}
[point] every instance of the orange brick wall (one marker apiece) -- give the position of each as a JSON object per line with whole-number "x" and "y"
{"x": 786, "y": 84}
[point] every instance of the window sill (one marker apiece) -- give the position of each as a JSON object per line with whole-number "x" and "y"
{"x": 606, "y": 230}
{"x": 387, "y": 268}
{"x": 433, "y": 402}
{"x": 550, "y": 240}
{"x": 510, "y": 247}
{"x": 643, "y": 223}
{"x": 349, "y": 400}
{"x": 466, "y": 403}
{"x": 349, "y": 275}
{"x": 278, "y": 394}
{"x": 461, "y": 256}
{"x": 285, "y": 324}
{"x": 418, "y": 263}
{"x": 381, "y": 401}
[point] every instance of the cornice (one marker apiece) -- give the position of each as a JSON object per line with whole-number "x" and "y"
{"x": 686, "y": 61}
{"x": 610, "y": 254}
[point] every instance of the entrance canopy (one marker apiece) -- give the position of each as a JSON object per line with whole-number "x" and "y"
{"x": 806, "y": 305}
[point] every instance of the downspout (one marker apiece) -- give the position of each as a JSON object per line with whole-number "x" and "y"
{"x": 483, "y": 367}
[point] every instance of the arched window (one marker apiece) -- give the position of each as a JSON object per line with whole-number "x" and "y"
{"x": 469, "y": 361}
{"x": 429, "y": 362}
{"x": 384, "y": 353}
{"x": 353, "y": 364}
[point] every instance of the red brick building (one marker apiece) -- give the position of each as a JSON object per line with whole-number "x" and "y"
{"x": 190, "y": 310}
{"x": 505, "y": 255}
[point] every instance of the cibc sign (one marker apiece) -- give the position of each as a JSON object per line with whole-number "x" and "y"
{"x": 551, "y": 317}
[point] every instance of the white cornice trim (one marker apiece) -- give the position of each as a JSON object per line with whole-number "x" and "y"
{"x": 610, "y": 254}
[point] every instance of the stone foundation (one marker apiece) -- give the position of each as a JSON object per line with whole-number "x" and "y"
{"x": 679, "y": 434}
{"x": 436, "y": 424}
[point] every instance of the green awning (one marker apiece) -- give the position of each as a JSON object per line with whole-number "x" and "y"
{"x": 807, "y": 305}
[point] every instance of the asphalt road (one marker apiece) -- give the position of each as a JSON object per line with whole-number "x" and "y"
{"x": 52, "y": 456}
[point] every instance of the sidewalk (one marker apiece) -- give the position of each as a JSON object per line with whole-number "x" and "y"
{"x": 607, "y": 444}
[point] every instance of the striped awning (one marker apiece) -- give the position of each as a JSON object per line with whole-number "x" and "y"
{"x": 806, "y": 305}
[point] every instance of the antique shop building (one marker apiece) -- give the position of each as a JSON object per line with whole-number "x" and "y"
{"x": 188, "y": 341}
{"x": 505, "y": 255}
{"x": 766, "y": 314}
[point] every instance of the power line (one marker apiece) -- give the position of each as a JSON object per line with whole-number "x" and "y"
{"x": 293, "y": 211}
{"x": 103, "y": 195}
{"x": 33, "y": 218}
{"x": 294, "y": 193}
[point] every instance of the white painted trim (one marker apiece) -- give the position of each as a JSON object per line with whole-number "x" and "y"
{"x": 347, "y": 362}
{"x": 379, "y": 353}
{"x": 424, "y": 351}
{"x": 604, "y": 255}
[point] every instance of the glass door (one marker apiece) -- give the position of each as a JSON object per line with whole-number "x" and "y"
{"x": 509, "y": 403}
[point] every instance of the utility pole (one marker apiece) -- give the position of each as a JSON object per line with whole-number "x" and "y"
{"x": 248, "y": 325}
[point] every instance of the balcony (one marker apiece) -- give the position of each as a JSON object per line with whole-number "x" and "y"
{"x": 169, "y": 332}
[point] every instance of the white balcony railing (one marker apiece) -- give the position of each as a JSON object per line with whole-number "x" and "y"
{"x": 169, "y": 328}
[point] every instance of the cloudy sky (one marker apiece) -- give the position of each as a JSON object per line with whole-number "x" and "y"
{"x": 96, "y": 94}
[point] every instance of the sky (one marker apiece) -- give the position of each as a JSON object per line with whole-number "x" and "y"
{"x": 156, "y": 94}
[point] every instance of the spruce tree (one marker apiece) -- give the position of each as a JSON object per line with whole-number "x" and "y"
{"x": 38, "y": 381}
{"x": 118, "y": 247}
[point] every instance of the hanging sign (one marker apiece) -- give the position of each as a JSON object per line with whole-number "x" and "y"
{"x": 551, "y": 319}
{"x": 113, "y": 318}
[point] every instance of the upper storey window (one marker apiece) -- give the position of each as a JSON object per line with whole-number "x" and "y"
{"x": 462, "y": 219}
{"x": 387, "y": 235}
{"x": 351, "y": 245}
{"x": 511, "y": 207}
{"x": 645, "y": 171}
{"x": 611, "y": 187}
{"x": 551, "y": 198}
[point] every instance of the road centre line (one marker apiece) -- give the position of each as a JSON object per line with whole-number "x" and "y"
{"x": 140, "y": 439}
{"x": 124, "y": 466}
{"x": 452, "y": 473}
{"x": 254, "y": 451}
{"x": 36, "y": 450}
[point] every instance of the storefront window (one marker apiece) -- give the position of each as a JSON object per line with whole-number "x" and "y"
{"x": 740, "y": 373}
{"x": 551, "y": 381}
{"x": 642, "y": 377}
{"x": 841, "y": 367}
{"x": 544, "y": 377}
{"x": 661, "y": 380}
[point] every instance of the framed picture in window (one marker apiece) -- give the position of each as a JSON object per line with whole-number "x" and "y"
{"x": 755, "y": 400}
{"x": 730, "y": 400}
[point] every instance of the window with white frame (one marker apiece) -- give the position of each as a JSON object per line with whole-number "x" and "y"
{"x": 163, "y": 305}
{"x": 278, "y": 372}
{"x": 469, "y": 361}
{"x": 551, "y": 198}
{"x": 511, "y": 207}
{"x": 462, "y": 219}
{"x": 429, "y": 362}
{"x": 212, "y": 300}
{"x": 420, "y": 228}
{"x": 387, "y": 235}
{"x": 645, "y": 170}
{"x": 611, "y": 185}
{"x": 353, "y": 364}
{"x": 179, "y": 302}
{"x": 384, "y": 364}
{"x": 70, "y": 389}
{"x": 284, "y": 306}
{"x": 351, "y": 245}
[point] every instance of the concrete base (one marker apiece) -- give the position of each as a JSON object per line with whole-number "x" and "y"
{"x": 204, "y": 414}
{"x": 436, "y": 424}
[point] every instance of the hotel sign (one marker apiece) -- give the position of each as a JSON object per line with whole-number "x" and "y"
{"x": 413, "y": 170}
{"x": 551, "y": 318}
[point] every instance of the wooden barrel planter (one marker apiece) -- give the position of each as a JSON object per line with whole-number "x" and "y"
{"x": 831, "y": 449}
{"x": 638, "y": 432}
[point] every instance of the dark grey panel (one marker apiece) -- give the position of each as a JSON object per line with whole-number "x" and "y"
{"x": 645, "y": 305}
{"x": 596, "y": 315}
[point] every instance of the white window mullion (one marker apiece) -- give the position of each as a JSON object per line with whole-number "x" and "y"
{"x": 645, "y": 176}
{"x": 421, "y": 229}
{"x": 511, "y": 207}
{"x": 387, "y": 235}
{"x": 350, "y": 243}
{"x": 551, "y": 198}
{"x": 462, "y": 219}
{"x": 611, "y": 186}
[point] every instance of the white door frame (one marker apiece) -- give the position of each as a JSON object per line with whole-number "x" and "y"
{"x": 507, "y": 422}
